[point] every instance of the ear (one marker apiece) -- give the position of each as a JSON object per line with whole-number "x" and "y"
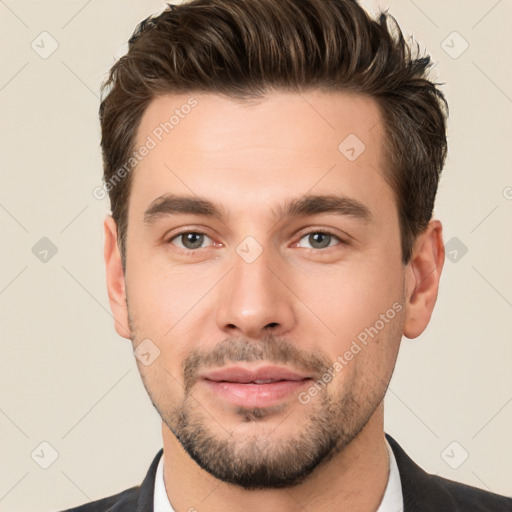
{"x": 115, "y": 279}
{"x": 422, "y": 279}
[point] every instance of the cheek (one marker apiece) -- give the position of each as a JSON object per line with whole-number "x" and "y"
{"x": 170, "y": 307}
{"x": 350, "y": 298}
{"x": 163, "y": 383}
{"x": 363, "y": 364}
{"x": 159, "y": 296}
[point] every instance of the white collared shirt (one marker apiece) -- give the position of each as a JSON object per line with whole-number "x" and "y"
{"x": 392, "y": 500}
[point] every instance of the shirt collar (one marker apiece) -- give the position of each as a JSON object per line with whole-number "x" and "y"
{"x": 161, "y": 501}
{"x": 392, "y": 501}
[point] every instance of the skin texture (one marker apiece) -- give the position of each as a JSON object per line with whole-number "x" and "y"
{"x": 299, "y": 304}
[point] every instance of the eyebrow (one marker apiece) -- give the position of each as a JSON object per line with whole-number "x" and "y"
{"x": 171, "y": 204}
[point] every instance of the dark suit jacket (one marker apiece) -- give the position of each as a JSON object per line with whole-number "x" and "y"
{"x": 422, "y": 492}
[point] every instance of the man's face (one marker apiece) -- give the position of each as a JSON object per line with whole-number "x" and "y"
{"x": 252, "y": 305}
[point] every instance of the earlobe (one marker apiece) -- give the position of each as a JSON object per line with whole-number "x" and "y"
{"x": 422, "y": 279}
{"x": 116, "y": 286}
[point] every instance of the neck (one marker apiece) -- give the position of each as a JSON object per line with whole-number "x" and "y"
{"x": 353, "y": 480}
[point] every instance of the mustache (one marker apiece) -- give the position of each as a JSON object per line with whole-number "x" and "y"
{"x": 272, "y": 349}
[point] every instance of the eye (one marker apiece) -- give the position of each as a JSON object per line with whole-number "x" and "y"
{"x": 189, "y": 240}
{"x": 319, "y": 240}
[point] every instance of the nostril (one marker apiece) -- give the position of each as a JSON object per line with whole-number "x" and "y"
{"x": 272, "y": 324}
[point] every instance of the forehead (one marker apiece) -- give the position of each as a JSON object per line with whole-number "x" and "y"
{"x": 241, "y": 153}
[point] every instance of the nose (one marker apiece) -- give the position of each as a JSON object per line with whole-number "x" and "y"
{"x": 254, "y": 300}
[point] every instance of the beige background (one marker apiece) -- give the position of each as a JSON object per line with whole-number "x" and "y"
{"x": 68, "y": 380}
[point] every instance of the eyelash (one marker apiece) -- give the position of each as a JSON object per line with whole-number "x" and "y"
{"x": 314, "y": 231}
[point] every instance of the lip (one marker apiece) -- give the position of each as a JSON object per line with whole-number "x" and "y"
{"x": 254, "y": 387}
{"x": 243, "y": 375}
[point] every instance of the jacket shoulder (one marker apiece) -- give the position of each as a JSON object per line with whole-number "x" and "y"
{"x": 122, "y": 502}
{"x": 424, "y": 492}
{"x": 473, "y": 498}
{"x": 135, "y": 499}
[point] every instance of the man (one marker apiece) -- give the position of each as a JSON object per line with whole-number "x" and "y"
{"x": 272, "y": 167}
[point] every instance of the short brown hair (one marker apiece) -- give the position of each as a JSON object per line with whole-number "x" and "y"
{"x": 245, "y": 48}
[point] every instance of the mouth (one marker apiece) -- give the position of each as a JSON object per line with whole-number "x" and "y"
{"x": 260, "y": 387}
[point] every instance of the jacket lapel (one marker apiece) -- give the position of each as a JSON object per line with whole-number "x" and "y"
{"x": 147, "y": 488}
{"x": 421, "y": 492}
